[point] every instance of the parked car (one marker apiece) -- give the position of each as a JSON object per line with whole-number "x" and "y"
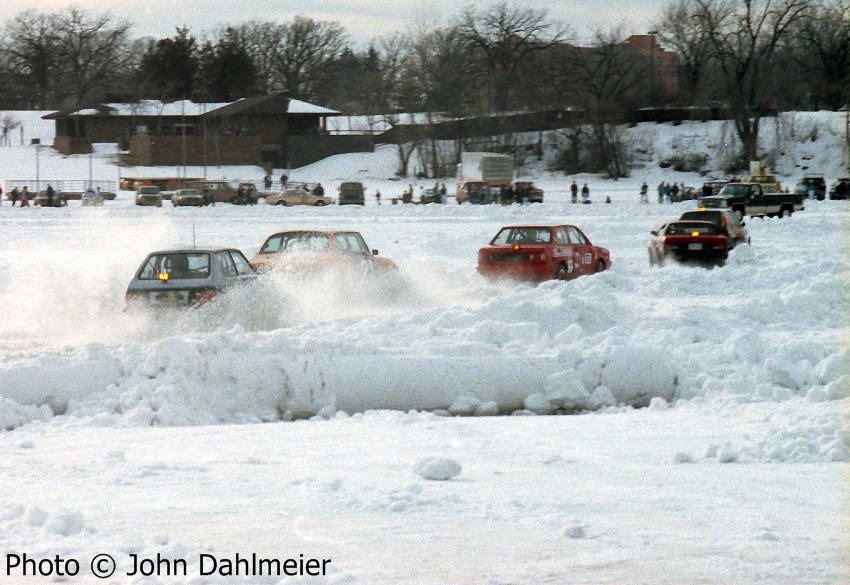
{"x": 684, "y": 240}
{"x": 180, "y": 278}
{"x": 352, "y": 193}
{"x": 300, "y": 194}
{"x": 223, "y": 192}
{"x": 52, "y": 198}
{"x": 534, "y": 194}
{"x": 311, "y": 250}
{"x": 188, "y": 197}
{"x": 149, "y": 195}
{"x": 540, "y": 253}
{"x": 841, "y": 189}
{"x": 723, "y": 218}
{"x": 813, "y": 186}
{"x": 478, "y": 192}
{"x": 91, "y": 198}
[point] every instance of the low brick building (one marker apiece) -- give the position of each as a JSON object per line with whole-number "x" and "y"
{"x": 266, "y": 130}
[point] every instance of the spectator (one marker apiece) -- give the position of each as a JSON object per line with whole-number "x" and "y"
{"x": 25, "y": 197}
{"x": 574, "y": 192}
{"x": 378, "y": 197}
{"x": 319, "y": 190}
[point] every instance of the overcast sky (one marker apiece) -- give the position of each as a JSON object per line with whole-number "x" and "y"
{"x": 362, "y": 19}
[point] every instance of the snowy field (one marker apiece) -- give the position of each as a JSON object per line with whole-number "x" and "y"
{"x": 707, "y": 441}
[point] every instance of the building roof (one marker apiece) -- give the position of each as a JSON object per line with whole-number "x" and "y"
{"x": 262, "y": 104}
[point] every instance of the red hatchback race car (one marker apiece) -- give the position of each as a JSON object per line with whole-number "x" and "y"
{"x": 540, "y": 253}
{"x": 683, "y": 240}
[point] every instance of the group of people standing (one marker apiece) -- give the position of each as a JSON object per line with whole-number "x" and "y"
{"x": 16, "y": 195}
{"x": 585, "y": 193}
{"x": 670, "y": 193}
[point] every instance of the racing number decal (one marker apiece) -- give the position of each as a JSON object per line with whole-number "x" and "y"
{"x": 588, "y": 258}
{"x": 570, "y": 264}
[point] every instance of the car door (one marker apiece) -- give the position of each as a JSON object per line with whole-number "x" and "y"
{"x": 243, "y": 267}
{"x": 582, "y": 251}
{"x": 562, "y": 251}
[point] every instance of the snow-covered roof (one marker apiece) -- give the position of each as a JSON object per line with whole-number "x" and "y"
{"x": 153, "y": 108}
{"x": 184, "y": 108}
{"x": 299, "y": 107}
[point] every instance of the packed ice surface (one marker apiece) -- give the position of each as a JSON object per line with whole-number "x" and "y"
{"x": 712, "y": 436}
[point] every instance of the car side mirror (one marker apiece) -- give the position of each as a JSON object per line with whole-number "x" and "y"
{"x": 743, "y": 223}
{"x": 654, "y": 232}
{"x": 374, "y": 252}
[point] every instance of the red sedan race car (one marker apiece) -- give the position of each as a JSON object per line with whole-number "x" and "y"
{"x": 540, "y": 253}
{"x": 683, "y": 240}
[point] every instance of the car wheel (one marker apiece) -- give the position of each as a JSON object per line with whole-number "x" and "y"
{"x": 600, "y": 266}
{"x": 785, "y": 212}
{"x": 320, "y": 203}
{"x": 561, "y": 272}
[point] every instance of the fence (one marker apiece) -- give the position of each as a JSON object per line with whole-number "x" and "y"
{"x": 71, "y": 189}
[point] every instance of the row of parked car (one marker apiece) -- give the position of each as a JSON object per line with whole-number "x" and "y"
{"x": 814, "y": 186}
{"x": 191, "y": 277}
{"x": 200, "y": 193}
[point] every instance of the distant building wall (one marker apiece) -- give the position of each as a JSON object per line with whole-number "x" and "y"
{"x": 304, "y": 150}
{"x": 147, "y": 150}
{"x": 68, "y": 145}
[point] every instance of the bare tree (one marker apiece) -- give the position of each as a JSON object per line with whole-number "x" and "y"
{"x": 396, "y": 93}
{"x": 304, "y": 57}
{"x": 503, "y": 41}
{"x": 605, "y": 77}
{"x": 261, "y": 40}
{"x": 681, "y": 30}
{"x": 821, "y": 47}
{"x": 29, "y": 45}
{"x": 745, "y": 36}
{"x": 91, "y": 53}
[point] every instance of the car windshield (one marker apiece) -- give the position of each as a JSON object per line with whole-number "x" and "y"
{"x": 296, "y": 242}
{"x": 712, "y": 216}
{"x": 735, "y": 190}
{"x": 523, "y": 235}
{"x": 682, "y": 227}
{"x": 178, "y": 265}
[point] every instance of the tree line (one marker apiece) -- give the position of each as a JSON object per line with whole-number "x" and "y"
{"x": 749, "y": 56}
